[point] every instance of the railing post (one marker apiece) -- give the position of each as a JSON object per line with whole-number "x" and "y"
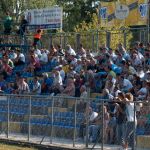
{"x": 134, "y": 133}
{"x": 87, "y": 118}
{"x": 75, "y": 122}
{"x": 78, "y": 40}
{"x": 8, "y": 111}
{"x": 29, "y": 120}
{"x": 108, "y": 38}
{"x": 97, "y": 40}
{"x": 93, "y": 39}
{"x": 102, "y": 145}
{"x": 52, "y": 120}
{"x": 125, "y": 38}
{"x": 50, "y": 40}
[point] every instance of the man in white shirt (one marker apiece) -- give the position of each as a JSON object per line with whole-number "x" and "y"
{"x": 38, "y": 52}
{"x": 20, "y": 58}
{"x": 43, "y": 57}
{"x": 23, "y": 87}
{"x": 125, "y": 84}
{"x": 36, "y": 86}
{"x": 70, "y": 51}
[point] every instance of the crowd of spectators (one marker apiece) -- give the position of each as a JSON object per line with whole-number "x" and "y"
{"x": 108, "y": 72}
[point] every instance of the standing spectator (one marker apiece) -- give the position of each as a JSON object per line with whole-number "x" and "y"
{"x": 37, "y": 38}
{"x": 121, "y": 117}
{"x": 23, "y": 25}
{"x": 7, "y": 24}
{"x": 131, "y": 121}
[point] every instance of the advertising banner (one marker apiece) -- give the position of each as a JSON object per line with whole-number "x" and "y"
{"x": 49, "y": 18}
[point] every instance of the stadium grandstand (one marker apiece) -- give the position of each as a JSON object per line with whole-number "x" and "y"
{"x": 65, "y": 94}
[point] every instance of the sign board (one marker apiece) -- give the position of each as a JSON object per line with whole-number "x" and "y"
{"x": 143, "y": 10}
{"x": 48, "y": 18}
{"x": 121, "y": 12}
{"x": 125, "y": 13}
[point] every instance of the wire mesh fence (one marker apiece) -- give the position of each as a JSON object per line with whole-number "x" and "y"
{"x": 74, "y": 122}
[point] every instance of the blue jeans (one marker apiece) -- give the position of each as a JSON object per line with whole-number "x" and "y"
{"x": 93, "y": 132}
{"x": 120, "y": 132}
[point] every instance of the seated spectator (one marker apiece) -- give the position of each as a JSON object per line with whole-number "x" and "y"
{"x": 9, "y": 61}
{"x": 126, "y": 85}
{"x": 20, "y": 60}
{"x": 70, "y": 51}
{"x": 47, "y": 82}
{"x": 23, "y": 87}
{"x": 83, "y": 92}
{"x": 36, "y": 86}
{"x": 57, "y": 86}
{"x": 60, "y": 51}
{"x": 70, "y": 88}
{"x": 5, "y": 69}
{"x": 2, "y": 83}
{"x": 34, "y": 64}
{"x": 43, "y": 58}
{"x": 142, "y": 93}
{"x": 12, "y": 54}
{"x": 53, "y": 52}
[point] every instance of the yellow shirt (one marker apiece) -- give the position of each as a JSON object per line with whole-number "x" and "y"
{"x": 66, "y": 68}
{"x": 112, "y": 73}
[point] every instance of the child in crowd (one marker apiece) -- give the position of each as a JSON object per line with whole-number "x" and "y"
{"x": 37, "y": 37}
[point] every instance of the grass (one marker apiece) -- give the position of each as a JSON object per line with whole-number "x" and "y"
{"x": 13, "y": 147}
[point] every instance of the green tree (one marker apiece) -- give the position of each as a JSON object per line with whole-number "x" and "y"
{"x": 76, "y": 11}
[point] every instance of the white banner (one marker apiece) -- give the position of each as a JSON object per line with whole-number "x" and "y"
{"x": 122, "y": 11}
{"x": 103, "y": 13}
{"x": 49, "y": 18}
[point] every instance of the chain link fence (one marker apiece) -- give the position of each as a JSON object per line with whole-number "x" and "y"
{"x": 91, "y": 40}
{"x": 74, "y": 122}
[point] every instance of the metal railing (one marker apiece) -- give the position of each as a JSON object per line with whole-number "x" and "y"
{"x": 66, "y": 121}
{"x": 91, "y": 40}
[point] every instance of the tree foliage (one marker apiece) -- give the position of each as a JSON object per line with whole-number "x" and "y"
{"x": 76, "y": 11}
